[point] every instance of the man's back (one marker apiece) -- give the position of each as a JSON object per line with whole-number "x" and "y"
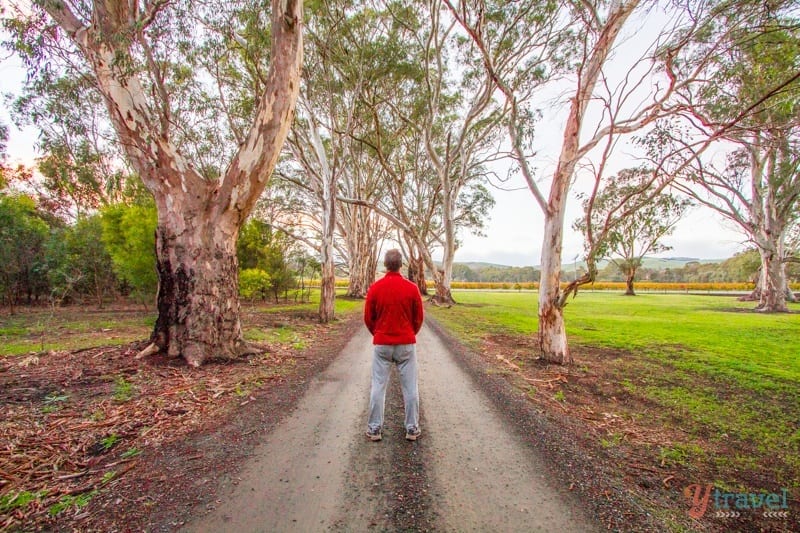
{"x": 393, "y": 311}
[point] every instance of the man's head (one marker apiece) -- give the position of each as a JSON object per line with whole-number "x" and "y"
{"x": 393, "y": 260}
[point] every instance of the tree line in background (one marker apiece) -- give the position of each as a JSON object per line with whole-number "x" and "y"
{"x": 742, "y": 267}
{"x": 396, "y": 130}
{"x": 110, "y": 252}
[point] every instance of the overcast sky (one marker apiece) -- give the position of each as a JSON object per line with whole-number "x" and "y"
{"x": 514, "y": 234}
{"x": 514, "y": 229}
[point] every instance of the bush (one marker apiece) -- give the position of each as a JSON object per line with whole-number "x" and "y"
{"x": 129, "y": 236}
{"x": 254, "y": 283}
{"x": 78, "y": 262}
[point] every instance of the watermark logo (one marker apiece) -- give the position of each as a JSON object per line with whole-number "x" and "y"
{"x": 733, "y": 504}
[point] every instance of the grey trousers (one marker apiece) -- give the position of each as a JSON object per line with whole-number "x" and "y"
{"x": 405, "y": 357}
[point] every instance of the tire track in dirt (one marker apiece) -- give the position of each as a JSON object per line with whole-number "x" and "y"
{"x": 390, "y": 474}
{"x": 295, "y": 478}
{"x": 484, "y": 477}
{"x": 317, "y": 472}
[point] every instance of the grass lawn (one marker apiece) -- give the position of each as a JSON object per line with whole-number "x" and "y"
{"x": 709, "y": 334}
{"x": 77, "y": 408}
{"x": 702, "y": 385}
{"x": 72, "y": 328}
{"x": 41, "y": 329}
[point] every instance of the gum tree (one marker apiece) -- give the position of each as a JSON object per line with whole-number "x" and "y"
{"x": 628, "y": 222}
{"x": 604, "y": 102}
{"x": 343, "y": 41}
{"x": 749, "y": 113}
{"x": 518, "y": 69}
{"x": 140, "y": 57}
{"x": 434, "y": 125}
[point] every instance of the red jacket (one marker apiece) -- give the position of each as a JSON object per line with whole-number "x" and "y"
{"x": 393, "y": 310}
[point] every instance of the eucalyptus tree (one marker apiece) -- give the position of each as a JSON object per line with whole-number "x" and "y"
{"x": 749, "y": 113}
{"x": 629, "y": 223}
{"x": 321, "y": 174}
{"x": 361, "y": 228}
{"x": 460, "y": 125}
{"x": 411, "y": 201}
{"x": 519, "y": 67}
{"x": 441, "y": 104}
{"x": 344, "y": 46}
{"x": 168, "y": 111}
{"x": 571, "y": 43}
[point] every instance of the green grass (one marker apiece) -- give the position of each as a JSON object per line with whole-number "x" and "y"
{"x": 123, "y": 390}
{"x": 290, "y": 334}
{"x": 720, "y": 373}
{"x": 19, "y": 500}
{"x": 65, "y": 329}
{"x": 76, "y": 328}
{"x": 67, "y": 501}
{"x": 342, "y": 305}
{"x": 283, "y": 335}
{"x": 713, "y": 335}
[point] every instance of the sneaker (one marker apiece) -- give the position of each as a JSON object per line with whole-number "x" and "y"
{"x": 374, "y": 434}
{"x": 413, "y": 433}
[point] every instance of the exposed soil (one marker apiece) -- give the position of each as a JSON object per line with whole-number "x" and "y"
{"x": 158, "y": 431}
{"x": 182, "y": 437}
{"x": 613, "y": 439}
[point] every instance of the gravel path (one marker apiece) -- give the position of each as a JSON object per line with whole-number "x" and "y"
{"x": 317, "y": 472}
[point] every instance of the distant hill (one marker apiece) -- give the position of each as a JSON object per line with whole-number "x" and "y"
{"x": 655, "y": 263}
{"x": 478, "y": 265}
{"x": 661, "y": 263}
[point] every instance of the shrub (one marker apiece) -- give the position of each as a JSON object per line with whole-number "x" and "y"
{"x": 129, "y": 236}
{"x": 254, "y": 283}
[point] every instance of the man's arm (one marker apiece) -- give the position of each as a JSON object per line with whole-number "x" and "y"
{"x": 417, "y": 313}
{"x": 369, "y": 316}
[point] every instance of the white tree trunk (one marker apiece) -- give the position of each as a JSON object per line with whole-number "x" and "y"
{"x": 324, "y": 184}
{"x": 416, "y": 273}
{"x": 552, "y": 330}
{"x": 362, "y": 250}
{"x": 328, "y": 281}
{"x": 443, "y": 277}
{"x": 772, "y": 282}
{"x": 198, "y": 219}
{"x": 552, "y": 333}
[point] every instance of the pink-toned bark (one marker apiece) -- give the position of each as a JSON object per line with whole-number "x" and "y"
{"x": 198, "y": 219}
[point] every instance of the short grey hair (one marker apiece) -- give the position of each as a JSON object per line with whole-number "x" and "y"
{"x": 393, "y": 260}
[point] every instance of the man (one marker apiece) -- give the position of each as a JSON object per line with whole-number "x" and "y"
{"x": 393, "y": 314}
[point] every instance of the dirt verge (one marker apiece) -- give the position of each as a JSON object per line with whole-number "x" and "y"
{"x": 607, "y": 440}
{"x": 103, "y": 442}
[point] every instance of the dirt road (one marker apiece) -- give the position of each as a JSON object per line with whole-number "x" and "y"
{"x": 317, "y": 472}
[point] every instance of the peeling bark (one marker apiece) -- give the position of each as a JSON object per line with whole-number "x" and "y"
{"x": 629, "y": 283}
{"x": 199, "y": 220}
{"x": 443, "y": 294}
{"x": 198, "y": 298}
{"x": 772, "y": 284}
{"x": 416, "y": 273}
{"x": 552, "y": 332}
{"x": 328, "y": 282}
{"x": 362, "y": 231}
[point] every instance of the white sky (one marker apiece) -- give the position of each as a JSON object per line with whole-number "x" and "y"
{"x": 514, "y": 229}
{"x": 514, "y": 233}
